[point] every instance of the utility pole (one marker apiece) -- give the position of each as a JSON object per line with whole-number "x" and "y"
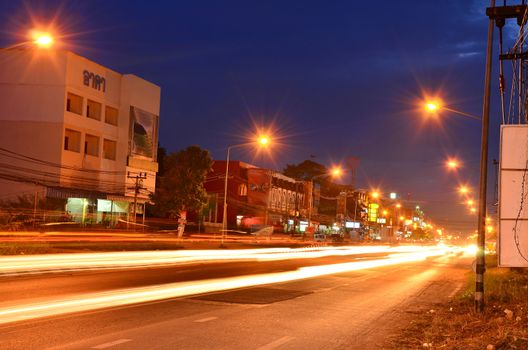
{"x": 497, "y": 16}
{"x": 481, "y": 240}
{"x": 138, "y": 185}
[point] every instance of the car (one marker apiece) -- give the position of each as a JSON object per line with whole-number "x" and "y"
{"x": 319, "y": 237}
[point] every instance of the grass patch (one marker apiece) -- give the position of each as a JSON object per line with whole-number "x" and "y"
{"x": 455, "y": 325}
{"x": 112, "y": 246}
{"x": 28, "y": 248}
{"x": 25, "y": 248}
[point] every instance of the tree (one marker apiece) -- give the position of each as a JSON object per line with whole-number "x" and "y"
{"x": 180, "y": 188}
{"x": 305, "y": 170}
{"x": 308, "y": 170}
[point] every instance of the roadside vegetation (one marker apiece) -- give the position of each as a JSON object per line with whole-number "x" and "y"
{"x": 27, "y": 248}
{"x": 455, "y": 325}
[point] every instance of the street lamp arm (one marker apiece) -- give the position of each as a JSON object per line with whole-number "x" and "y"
{"x": 462, "y": 113}
{"x": 238, "y": 145}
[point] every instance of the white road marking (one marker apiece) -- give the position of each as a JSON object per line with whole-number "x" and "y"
{"x": 107, "y": 345}
{"x": 205, "y": 319}
{"x": 276, "y": 343}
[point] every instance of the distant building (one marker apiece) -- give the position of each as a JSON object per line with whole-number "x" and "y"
{"x": 257, "y": 197}
{"x": 73, "y": 129}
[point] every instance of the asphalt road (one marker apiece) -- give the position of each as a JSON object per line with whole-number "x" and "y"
{"x": 352, "y": 310}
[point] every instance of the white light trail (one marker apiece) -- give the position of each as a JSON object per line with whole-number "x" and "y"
{"x": 120, "y": 297}
{"x": 95, "y": 261}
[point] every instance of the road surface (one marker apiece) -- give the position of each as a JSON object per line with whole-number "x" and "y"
{"x": 347, "y": 310}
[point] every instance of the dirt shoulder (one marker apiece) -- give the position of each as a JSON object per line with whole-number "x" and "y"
{"x": 455, "y": 325}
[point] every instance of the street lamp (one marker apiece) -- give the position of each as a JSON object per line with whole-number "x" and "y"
{"x": 36, "y": 38}
{"x": 335, "y": 172}
{"x": 481, "y": 238}
{"x": 42, "y": 39}
{"x": 463, "y": 189}
{"x": 435, "y": 106}
{"x": 452, "y": 164}
{"x": 262, "y": 141}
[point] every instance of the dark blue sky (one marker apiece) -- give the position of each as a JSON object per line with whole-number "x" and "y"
{"x": 336, "y": 79}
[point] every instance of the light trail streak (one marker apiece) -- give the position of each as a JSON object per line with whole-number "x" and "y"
{"x": 114, "y": 260}
{"x": 121, "y": 297}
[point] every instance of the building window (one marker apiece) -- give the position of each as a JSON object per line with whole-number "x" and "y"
{"x": 93, "y": 110}
{"x": 109, "y": 149}
{"x": 74, "y": 103}
{"x": 72, "y": 140}
{"x": 91, "y": 145}
{"x": 242, "y": 190}
{"x": 111, "y": 114}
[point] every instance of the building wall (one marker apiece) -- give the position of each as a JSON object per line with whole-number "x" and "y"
{"x": 256, "y": 195}
{"x": 34, "y": 88}
{"x": 31, "y": 95}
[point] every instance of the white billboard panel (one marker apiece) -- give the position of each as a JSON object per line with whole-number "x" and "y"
{"x": 513, "y": 197}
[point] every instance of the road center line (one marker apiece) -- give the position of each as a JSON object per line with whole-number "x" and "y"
{"x": 205, "y": 319}
{"x": 107, "y": 345}
{"x": 276, "y": 343}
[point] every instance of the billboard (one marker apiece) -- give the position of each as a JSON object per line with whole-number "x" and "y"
{"x": 373, "y": 212}
{"x": 143, "y": 133}
{"x": 513, "y": 197}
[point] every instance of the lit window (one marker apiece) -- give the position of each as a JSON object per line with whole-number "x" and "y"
{"x": 72, "y": 140}
{"x": 91, "y": 145}
{"x": 74, "y": 103}
{"x": 93, "y": 110}
{"x": 111, "y": 115}
{"x": 242, "y": 190}
{"x": 109, "y": 149}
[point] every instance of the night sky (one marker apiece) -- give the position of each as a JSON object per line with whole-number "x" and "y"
{"x": 334, "y": 78}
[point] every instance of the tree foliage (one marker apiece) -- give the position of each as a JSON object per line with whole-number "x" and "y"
{"x": 180, "y": 186}
{"x": 305, "y": 170}
{"x": 308, "y": 170}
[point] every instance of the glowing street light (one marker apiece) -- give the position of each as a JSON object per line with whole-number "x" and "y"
{"x": 436, "y": 106}
{"x": 262, "y": 141}
{"x": 398, "y": 205}
{"x": 463, "y": 189}
{"x": 336, "y": 171}
{"x": 42, "y": 39}
{"x": 431, "y": 106}
{"x": 375, "y": 194}
{"x": 452, "y": 164}
{"x": 470, "y": 202}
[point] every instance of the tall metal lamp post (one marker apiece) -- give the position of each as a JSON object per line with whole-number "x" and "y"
{"x": 432, "y": 107}
{"x": 334, "y": 173}
{"x": 262, "y": 141}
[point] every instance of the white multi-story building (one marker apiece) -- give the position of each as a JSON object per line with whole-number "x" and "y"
{"x": 71, "y": 128}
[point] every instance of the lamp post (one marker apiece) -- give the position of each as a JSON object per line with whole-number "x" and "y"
{"x": 262, "y": 141}
{"x": 481, "y": 237}
{"x": 334, "y": 172}
{"x": 434, "y": 106}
